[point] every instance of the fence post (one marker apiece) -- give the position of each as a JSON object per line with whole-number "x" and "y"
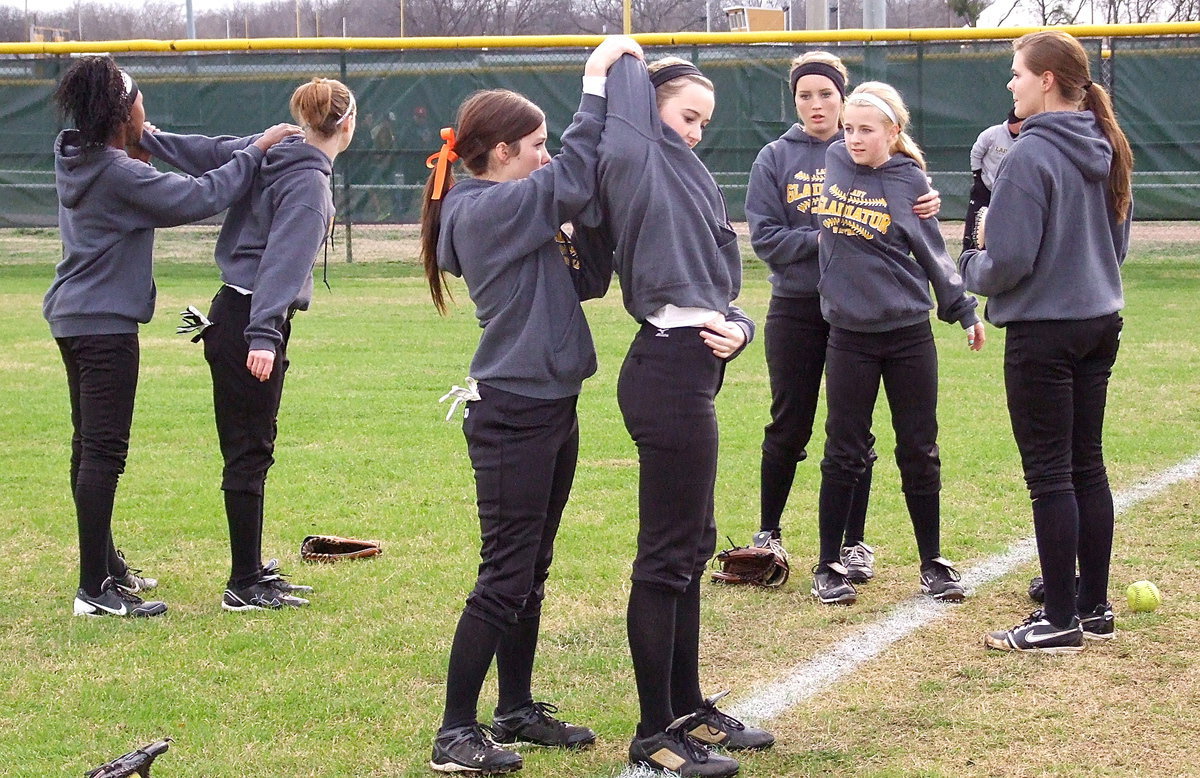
{"x": 348, "y": 219}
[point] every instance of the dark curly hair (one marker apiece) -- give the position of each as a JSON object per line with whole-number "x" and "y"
{"x": 92, "y": 94}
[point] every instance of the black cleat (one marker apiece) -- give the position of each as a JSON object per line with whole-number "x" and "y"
{"x": 831, "y": 586}
{"x": 534, "y": 724}
{"x": 470, "y": 750}
{"x": 132, "y": 581}
{"x": 677, "y": 751}
{"x": 261, "y": 595}
{"x": 941, "y": 581}
{"x": 859, "y": 561}
{"x": 1099, "y": 623}
{"x": 709, "y": 725}
{"x": 271, "y": 575}
{"x": 114, "y": 600}
{"x": 1037, "y": 634}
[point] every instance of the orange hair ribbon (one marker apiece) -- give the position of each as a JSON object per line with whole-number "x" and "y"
{"x": 440, "y": 161}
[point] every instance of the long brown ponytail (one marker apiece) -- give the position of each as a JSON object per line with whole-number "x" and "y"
{"x": 1062, "y": 55}
{"x": 485, "y": 120}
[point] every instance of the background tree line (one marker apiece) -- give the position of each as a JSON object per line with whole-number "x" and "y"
{"x": 164, "y": 19}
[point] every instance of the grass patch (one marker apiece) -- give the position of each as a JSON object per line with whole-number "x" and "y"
{"x": 353, "y": 686}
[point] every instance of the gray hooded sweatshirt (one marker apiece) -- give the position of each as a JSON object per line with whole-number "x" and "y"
{"x": 1054, "y": 247}
{"x": 500, "y": 239}
{"x": 270, "y": 238}
{"x": 781, "y": 207}
{"x": 878, "y": 259}
{"x": 108, "y": 207}
{"x": 660, "y": 209}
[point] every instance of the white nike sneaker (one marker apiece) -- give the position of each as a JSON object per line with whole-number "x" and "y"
{"x": 1037, "y": 634}
{"x": 113, "y": 600}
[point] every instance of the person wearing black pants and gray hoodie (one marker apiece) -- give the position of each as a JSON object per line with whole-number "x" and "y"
{"x": 680, "y": 270}
{"x": 785, "y": 186}
{"x": 876, "y": 300}
{"x": 109, "y": 205}
{"x": 265, "y": 252}
{"x": 1054, "y": 239}
{"x": 500, "y": 231}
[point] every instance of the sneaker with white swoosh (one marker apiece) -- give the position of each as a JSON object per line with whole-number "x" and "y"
{"x": 1037, "y": 634}
{"x": 113, "y": 600}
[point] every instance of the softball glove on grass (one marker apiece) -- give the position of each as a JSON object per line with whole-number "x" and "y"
{"x": 331, "y": 548}
{"x": 754, "y": 565}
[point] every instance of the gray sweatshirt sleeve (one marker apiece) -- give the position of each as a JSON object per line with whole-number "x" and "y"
{"x": 194, "y": 154}
{"x": 736, "y": 315}
{"x": 631, "y": 97}
{"x": 298, "y": 229}
{"x": 529, "y": 211}
{"x": 929, "y": 249}
{"x": 1021, "y": 219}
{"x": 978, "y": 150}
{"x": 158, "y": 199}
{"x": 774, "y": 240}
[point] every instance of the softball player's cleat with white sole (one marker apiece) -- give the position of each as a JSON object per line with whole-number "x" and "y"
{"x": 535, "y": 725}
{"x": 941, "y": 581}
{"x": 1099, "y": 624}
{"x": 831, "y": 586}
{"x": 259, "y": 596}
{"x": 115, "y": 601}
{"x": 859, "y": 561}
{"x": 1037, "y": 634}
{"x": 470, "y": 749}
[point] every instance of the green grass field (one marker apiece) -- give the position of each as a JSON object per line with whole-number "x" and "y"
{"x": 353, "y": 685}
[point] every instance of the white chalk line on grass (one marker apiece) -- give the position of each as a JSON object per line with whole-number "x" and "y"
{"x": 813, "y": 676}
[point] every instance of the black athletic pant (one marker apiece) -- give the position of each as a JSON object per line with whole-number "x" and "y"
{"x": 524, "y": 451}
{"x": 796, "y": 335}
{"x": 247, "y": 413}
{"x": 1056, "y": 377}
{"x": 102, "y": 376}
{"x": 666, "y": 392}
{"x": 905, "y": 360}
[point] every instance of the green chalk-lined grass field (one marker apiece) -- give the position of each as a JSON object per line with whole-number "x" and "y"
{"x": 353, "y": 685}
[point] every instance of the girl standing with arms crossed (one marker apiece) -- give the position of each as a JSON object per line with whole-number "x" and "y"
{"x": 109, "y": 205}
{"x": 265, "y": 252}
{"x": 876, "y": 300}
{"x": 785, "y": 187}
{"x": 500, "y": 231}
{"x": 680, "y": 271}
{"x": 1056, "y": 235}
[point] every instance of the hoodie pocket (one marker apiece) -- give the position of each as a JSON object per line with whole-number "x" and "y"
{"x": 867, "y": 290}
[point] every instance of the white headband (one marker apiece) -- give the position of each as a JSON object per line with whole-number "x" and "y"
{"x": 349, "y": 110}
{"x": 867, "y": 97}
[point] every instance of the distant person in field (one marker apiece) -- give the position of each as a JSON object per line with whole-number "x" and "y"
{"x": 986, "y": 156}
{"x": 661, "y": 212}
{"x": 1049, "y": 261}
{"x": 109, "y": 205}
{"x": 785, "y": 186}
{"x": 269, "y": 242}
{"x": 500, "y": 231}
{"x": 878, "y": 262}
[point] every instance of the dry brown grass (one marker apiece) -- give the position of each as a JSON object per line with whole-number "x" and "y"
{"x": 940, "y": 704}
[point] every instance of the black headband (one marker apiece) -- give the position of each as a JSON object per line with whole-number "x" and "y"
{"x": 663, "y": 75}
{"x": 819, "y": 69}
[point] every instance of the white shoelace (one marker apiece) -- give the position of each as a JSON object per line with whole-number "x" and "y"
{"x": 461, "y": 395}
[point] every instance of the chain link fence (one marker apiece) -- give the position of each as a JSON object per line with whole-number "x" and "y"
{"x": 953, "y": 90}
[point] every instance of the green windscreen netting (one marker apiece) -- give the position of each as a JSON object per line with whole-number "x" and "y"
{"x": 953, "y": 91}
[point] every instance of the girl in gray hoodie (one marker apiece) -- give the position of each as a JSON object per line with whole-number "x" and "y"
{"x": 500, "y": 231}
{"x": 878, "y": 262}
{"x": 109, "y": 205}
{"x": 1049, "y": 260}
{"x": 785, "y": 186}
{"x": 268, "y": 244}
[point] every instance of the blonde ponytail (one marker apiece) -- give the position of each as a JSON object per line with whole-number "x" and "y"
{"x": 321, "y": 105}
